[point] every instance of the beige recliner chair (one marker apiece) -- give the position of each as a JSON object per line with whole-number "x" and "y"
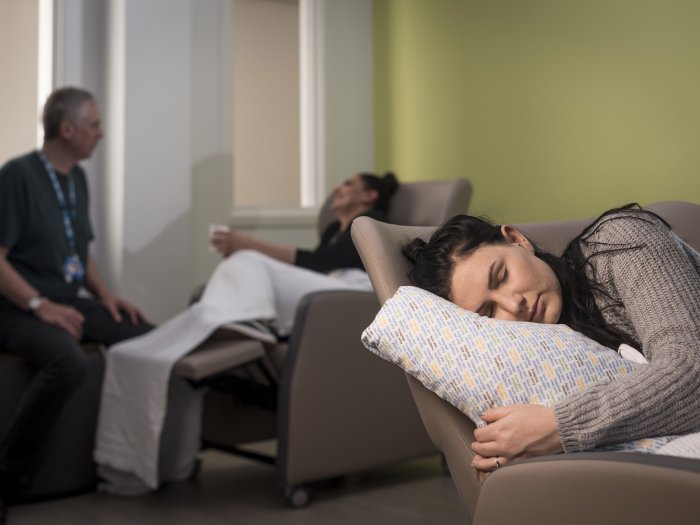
{"x": 584, "y": 488}
{"x": 332, "y": 407}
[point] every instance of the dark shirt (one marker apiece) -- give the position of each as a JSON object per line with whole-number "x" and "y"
{"x": 31, "y": 224}
{"x": 336, "y": 249}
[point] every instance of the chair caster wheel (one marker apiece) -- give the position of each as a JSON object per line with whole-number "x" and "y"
{"x": 298, "y": 496}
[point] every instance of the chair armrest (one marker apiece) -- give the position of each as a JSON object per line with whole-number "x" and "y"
{"x": 593, "y": 487}
{"x": 215, "y": 356}
{"x": 342, "y": 409}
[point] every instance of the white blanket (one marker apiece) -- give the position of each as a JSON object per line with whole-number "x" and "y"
{"x": 135, "y": 390}
{"x": 245, "y": 286}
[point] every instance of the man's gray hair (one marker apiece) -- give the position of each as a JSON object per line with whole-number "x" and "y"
{"x": 63, "y": 103}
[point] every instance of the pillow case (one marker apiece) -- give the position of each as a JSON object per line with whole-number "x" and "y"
{"x": 475, "y": 362}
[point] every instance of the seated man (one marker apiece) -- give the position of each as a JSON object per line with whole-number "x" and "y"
{"x": 44, "y": 261}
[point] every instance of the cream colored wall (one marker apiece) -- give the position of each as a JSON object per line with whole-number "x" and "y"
{"x": 554, "y": 109}
{"x": 18, "y": 88}
{"x": 266, "y": 103}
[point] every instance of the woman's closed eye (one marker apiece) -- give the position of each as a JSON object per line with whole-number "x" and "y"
{"x": 498, "y": 278}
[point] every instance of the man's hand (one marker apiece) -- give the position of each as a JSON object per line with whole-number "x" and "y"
{"x": 115, "y": 306}
{"x": 65, "y": 317}
{"x": 514, "y": 432}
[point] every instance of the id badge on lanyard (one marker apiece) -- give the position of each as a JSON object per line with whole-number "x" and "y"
{"x": 73, "y": 269}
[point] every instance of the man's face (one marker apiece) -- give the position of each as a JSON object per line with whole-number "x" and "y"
{"x": 83, "y": 134}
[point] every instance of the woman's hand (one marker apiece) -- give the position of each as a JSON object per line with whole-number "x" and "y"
{"x": 227, "y": 242}
{"x": 514, "y": 432}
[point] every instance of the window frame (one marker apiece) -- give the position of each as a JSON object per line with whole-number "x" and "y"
{"x": 312, "y": 117}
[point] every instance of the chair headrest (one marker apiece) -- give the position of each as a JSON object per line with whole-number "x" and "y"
{"x": 427, "y": 203}
{"x": 379, "y": 244}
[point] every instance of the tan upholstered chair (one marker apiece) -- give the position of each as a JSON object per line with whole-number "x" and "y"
{"x": 333, "y": 408}
{"x": 584, "y": 488}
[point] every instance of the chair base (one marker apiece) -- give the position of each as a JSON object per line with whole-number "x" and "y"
{"x": 68, "y": 467}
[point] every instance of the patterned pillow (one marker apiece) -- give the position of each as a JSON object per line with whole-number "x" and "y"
{"x": 475, "y": 362}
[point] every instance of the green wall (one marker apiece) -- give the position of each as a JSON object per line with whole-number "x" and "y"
{"x": 554, "y": 109}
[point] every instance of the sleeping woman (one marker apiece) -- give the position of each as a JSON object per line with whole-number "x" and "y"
{"x": 627, "y": 278}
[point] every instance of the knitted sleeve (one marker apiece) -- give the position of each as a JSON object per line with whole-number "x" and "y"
{"x": 656, "y": 278}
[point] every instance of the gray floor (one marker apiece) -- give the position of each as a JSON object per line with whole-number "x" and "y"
{"x": 235, "y": 490}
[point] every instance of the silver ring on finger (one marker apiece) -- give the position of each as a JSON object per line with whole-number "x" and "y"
{"x": 498, "y": 462}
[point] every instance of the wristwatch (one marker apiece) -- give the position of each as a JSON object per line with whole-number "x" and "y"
{"x": 35, "y": 303}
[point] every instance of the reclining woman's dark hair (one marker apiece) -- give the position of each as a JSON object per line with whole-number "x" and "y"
{"x": 434, "y": 261}
{"x": 385, "y": 187}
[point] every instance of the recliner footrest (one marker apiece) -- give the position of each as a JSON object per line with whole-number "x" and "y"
{"x": 216, "y": 356}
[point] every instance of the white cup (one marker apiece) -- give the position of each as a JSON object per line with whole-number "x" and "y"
{"x": 213, "y": 228}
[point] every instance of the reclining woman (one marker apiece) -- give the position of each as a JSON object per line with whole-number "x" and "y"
{"x": 255, "y": 290}
{"x": 626, "y": 279}
{"x": 290, "y": 272}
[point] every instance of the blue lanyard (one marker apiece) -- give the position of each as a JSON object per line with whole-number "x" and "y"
{"x": 69, "y": 212}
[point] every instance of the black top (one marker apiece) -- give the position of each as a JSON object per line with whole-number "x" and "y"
{"x": 31, "y": 224}
{"x": 336, "y": 249}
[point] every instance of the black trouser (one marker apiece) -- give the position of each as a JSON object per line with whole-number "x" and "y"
{"x": 60, "y": 366}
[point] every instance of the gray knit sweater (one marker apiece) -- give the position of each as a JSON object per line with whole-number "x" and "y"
{"x": 657, "y": 282}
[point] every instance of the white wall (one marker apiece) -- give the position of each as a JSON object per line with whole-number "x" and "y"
{"x": 158, "y": 160}
{"x": 212, "y": 156}
{"x": 349, "y": 89}
{"x": 165, "y": 95}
